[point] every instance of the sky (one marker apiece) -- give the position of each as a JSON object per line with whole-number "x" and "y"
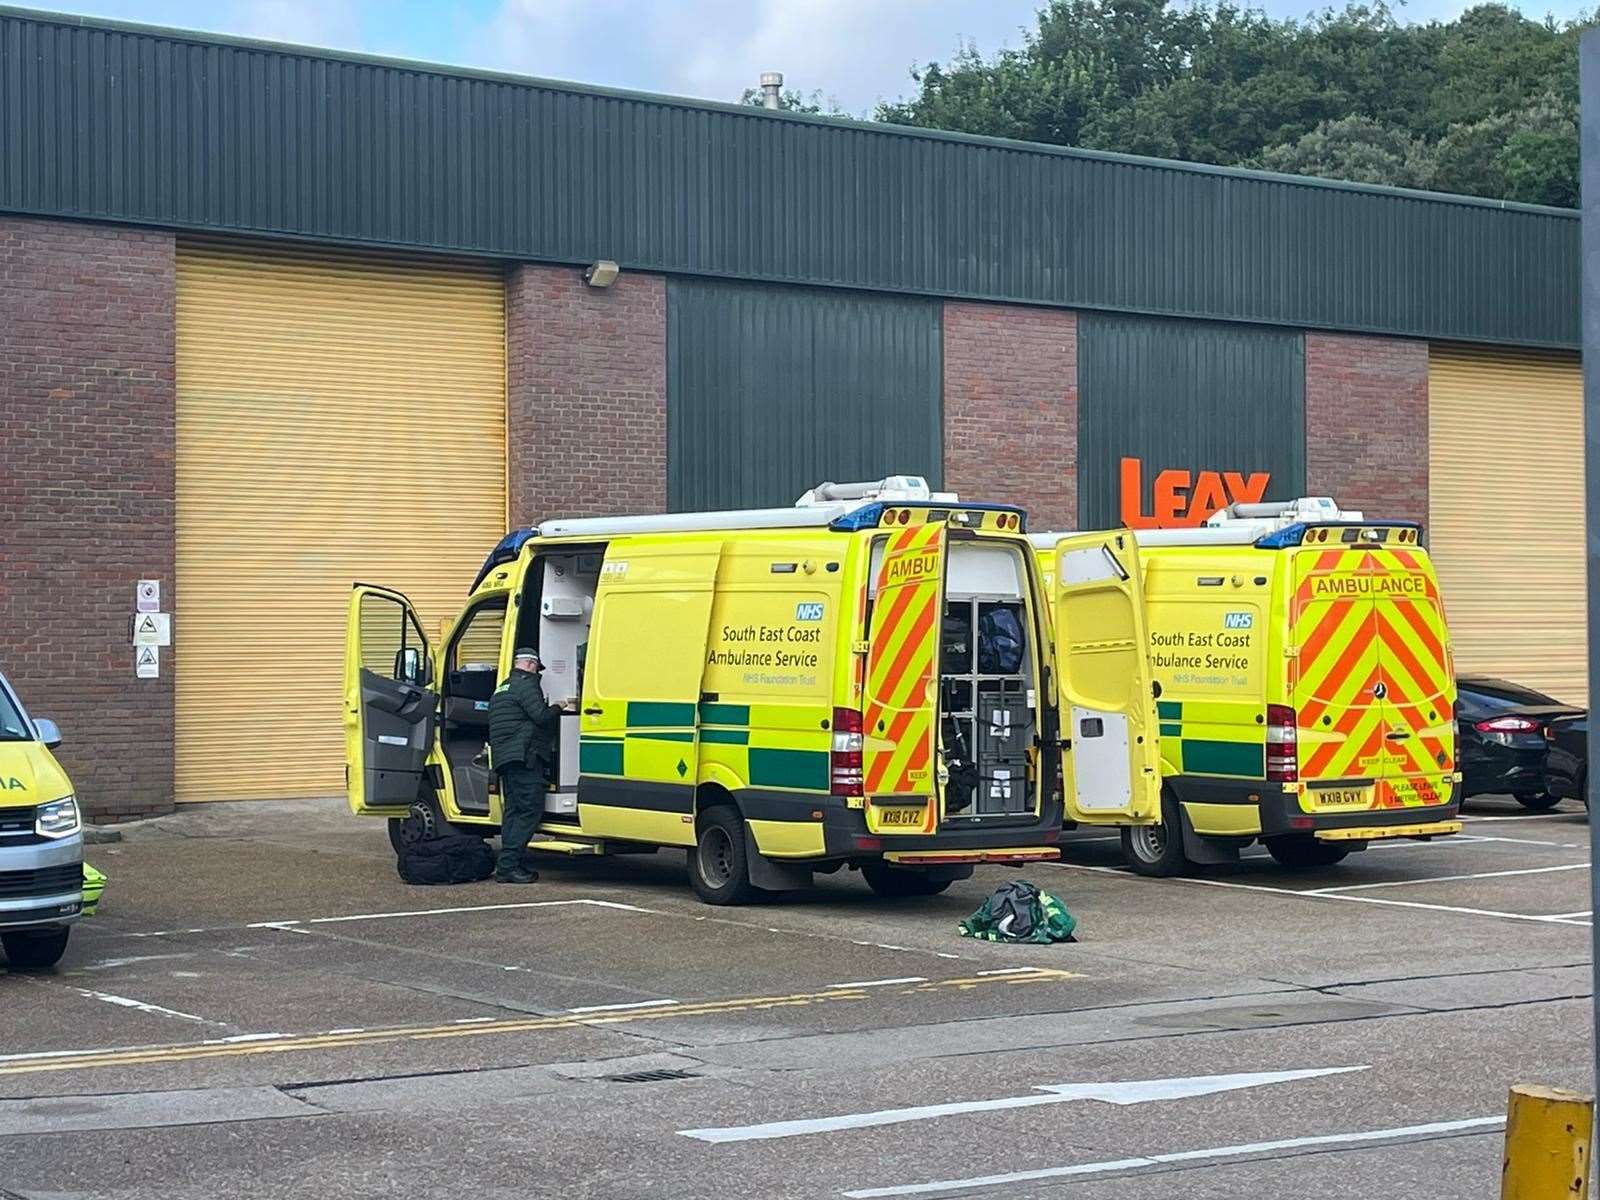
{"x": 854, "y": 52}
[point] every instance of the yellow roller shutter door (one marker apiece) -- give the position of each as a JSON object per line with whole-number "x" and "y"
{"x": 340, "y": 417}
{"x": 1505, "y": 462}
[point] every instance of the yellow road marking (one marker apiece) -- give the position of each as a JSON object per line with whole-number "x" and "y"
{"x": 68, "y": 1061}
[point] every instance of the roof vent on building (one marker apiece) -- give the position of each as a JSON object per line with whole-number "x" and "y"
{"x": 772, "y": 89}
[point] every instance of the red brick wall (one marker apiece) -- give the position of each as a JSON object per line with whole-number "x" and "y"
{"x": 1367, "y": 423}
{"x": 87, "y": 416}
{"x": 1011, "y": 408}
{"x": 586, "y": 394}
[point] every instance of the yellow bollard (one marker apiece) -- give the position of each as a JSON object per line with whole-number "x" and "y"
{"x": 1548, "y": 1136}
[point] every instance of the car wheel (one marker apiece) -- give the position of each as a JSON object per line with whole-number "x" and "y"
{"x": 1299, "y": 851}
{"x": 422, "y": 824}
{"x": 1537, "y": 801}
{"x": 34, "y": 951}
{"x": 719, "y": 866}
{"x": 887, "y": 879}
{"x": 1156, "y": 850}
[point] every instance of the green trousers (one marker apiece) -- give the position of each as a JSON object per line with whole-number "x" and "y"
{"x": 522, "y": 791}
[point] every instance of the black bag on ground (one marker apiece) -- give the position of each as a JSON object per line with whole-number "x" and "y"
{"x": 459, "y": 858}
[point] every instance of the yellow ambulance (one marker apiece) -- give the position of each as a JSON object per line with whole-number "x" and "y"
{"x": 42, "y": 874}
{"x": 861, "y": 681}
{"x": 1305, "y": 686}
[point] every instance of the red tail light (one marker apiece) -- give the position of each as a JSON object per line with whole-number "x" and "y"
{"x": 1506, "y": 725}
{"x": 844, "y": 761}
{"x": 1282, "y": 740}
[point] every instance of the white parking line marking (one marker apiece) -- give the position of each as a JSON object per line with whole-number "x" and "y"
{"x": 1114, "y": 1166}
{"x": 1523, "y": 817}
{"x": 881, "y": 982}
{"x": 295, "y": 924}
{"x": 593, "y": 1008}
{"x": 1013, "y": 971}
{"x": 1306, "y": 894}
{"x": 154, "y": 1010}
{"x": 1568, "y": 916}
{"x": 1120, "y": 1092}
{"x": 1347, "y": 887}
{"x": 1484, "y": 837}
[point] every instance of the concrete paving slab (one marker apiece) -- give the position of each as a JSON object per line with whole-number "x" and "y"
{"x": 147, "y": 1110}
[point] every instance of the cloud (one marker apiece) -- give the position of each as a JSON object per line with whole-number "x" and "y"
{"x": 853, "y": 51}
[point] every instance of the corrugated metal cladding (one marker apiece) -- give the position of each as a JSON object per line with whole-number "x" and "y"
{"x": 107, "y": 121}
{"x": 1505, "y": 464}
{"x": 773, "y": 390}
{"x": 340, "y": 417}
{"x": 1183, "y": 395}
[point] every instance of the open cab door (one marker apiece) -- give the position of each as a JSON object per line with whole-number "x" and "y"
{"x": 901, "y": 717}
{"x": 389, "y": 702}
{"x": 1110, "y": 760}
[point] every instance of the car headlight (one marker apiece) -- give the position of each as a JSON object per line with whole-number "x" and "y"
{"x": 58, "y": 819}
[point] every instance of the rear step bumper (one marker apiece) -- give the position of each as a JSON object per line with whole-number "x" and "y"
{"x": 940, "y": 858}
{"x": 1373, "y": 833}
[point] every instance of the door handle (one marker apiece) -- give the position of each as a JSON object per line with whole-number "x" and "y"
{"x": 1397, "y": 735}
{"x": 594, "y": 712}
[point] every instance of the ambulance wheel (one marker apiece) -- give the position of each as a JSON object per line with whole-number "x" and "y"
{"x": 888, "y": 880}
{"x": 34, "y": 951}
{"x": 1537, "y": 801}
{"x": 1156, "y": 849}
{"x": 422, "y": 824}
{"x": 719, "y": 867}
{"x": 1298, "y": 851}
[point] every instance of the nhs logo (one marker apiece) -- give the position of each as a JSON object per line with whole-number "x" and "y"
{"x": 1238, "y": 620}
{"x": 808, "y": 610}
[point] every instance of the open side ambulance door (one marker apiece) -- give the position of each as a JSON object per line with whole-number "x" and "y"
{"x": 389, "y": 701}
{"x": 1110, "y": 760}
{"x": 639, "y": 752}
{"x": 900, "y": 720}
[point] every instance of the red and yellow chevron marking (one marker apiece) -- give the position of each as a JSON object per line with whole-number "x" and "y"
{"x": 1365, "y": 617}
{"x": 898, "y": 751}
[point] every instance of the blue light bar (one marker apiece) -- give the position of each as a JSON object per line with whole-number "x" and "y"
{"x": 865, "y": 517}
{"x": 1282, "y": 539}
{"x": 1295, "y": 535}
{"x": 505, "y": 550}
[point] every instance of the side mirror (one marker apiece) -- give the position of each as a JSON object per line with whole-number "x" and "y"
{"x": 49, "y": 732}
{"x": 411, "y": 666}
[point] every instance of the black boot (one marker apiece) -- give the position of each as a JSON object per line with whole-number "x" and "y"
{"x": 515, "y": 875}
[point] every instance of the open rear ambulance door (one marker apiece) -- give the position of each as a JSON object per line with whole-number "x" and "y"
{"x": 1110, "y": 761}
{"x": 639, "y": 753}
{"x": 900, "y": 718}
{"x": 389, "y": 702}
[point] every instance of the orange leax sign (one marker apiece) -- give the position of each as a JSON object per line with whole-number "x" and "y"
{"x": 1184, "y": 498}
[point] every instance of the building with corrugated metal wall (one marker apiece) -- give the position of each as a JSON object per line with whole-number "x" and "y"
{"x": 273, "y": 318}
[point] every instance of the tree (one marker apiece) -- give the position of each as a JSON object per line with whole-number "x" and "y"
{"x": 1485, "y": 103}
{"x": 1357, "y": 149}
{"x": 1529, "y": 155}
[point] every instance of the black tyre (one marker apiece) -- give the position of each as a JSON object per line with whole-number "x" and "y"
{"x": 886, "y": 879}
{"x": 1538, "y": 801}
{"x": 1156, "y": 850}
{"x": 719, "y": 865}
{"x": 1300, "y": 851}
{"x": 34, "y": 951}
{"x": 422, "y": 824}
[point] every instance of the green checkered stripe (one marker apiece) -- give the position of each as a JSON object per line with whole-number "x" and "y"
{"x": 725, "y": 735}
{"x": 1192, "y": 741}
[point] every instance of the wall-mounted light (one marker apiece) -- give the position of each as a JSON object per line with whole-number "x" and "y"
{"x": 601, "y": 274}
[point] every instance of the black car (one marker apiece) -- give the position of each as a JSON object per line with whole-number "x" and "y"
{"x": 1500, "y": 738}
{"x": 1567, "y": 769}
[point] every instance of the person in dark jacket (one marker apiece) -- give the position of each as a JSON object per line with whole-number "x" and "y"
{"x": 522, "y": 739}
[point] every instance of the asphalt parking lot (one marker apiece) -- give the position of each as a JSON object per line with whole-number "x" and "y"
{"x": 263, "y": 1008}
